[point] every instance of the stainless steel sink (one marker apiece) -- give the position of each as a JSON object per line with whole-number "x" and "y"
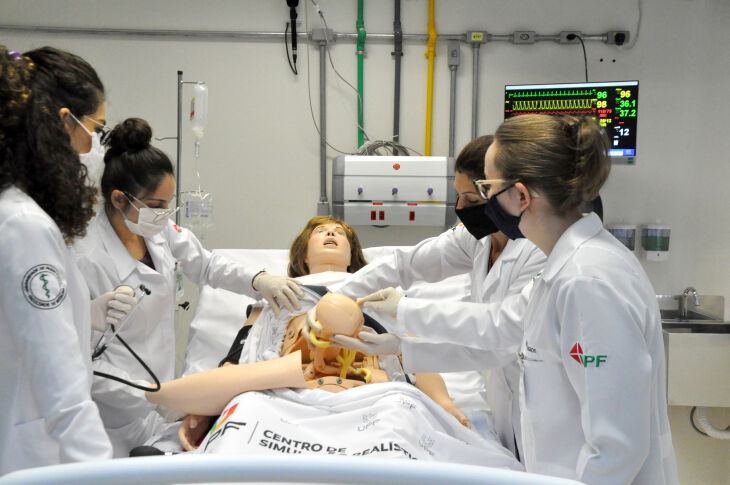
{"x": 697, "y": 326}
{"x": 696, "y": 343}
{"x": 680, "y": 308}
{"x": 674, "y": 316}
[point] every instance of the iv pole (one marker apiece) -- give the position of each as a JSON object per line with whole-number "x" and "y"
{"x": 180, "y": 83}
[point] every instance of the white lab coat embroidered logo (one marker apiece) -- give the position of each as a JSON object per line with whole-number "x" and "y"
{"x": 43, "y": 287}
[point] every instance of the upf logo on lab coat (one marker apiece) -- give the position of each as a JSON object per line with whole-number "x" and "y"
{"x": 586, "y": 359}
{"x": 43, "y": 287}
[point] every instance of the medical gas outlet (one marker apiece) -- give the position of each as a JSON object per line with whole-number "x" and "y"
{"x": 391, "y": 190}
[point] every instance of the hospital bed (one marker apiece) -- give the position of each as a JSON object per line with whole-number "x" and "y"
{"x": 219, "y": 315}
{"x": 272, "y": 469}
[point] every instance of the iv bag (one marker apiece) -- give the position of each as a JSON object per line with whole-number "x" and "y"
{"x": 196, "y": 212}
{"x": 199, "y": 110}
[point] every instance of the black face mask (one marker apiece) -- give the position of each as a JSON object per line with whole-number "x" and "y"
{"x": 476, "y": 222}
{"x": 507, "y": 223}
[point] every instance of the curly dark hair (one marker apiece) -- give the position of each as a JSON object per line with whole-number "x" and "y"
{"x": 35, "y": 149}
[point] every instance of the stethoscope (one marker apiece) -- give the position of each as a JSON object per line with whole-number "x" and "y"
{"x": 112, "y": 332}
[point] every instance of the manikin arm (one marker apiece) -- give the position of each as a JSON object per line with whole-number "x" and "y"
{"x": 206, "y": 393}
{"x": 433, "y": 386}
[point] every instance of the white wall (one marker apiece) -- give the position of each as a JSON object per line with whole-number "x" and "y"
{"x": 260, "y": 155}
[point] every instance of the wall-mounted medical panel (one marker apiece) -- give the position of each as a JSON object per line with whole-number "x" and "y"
{"x": 389, "y": 190}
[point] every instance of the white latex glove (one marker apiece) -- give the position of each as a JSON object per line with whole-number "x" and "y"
{"x": 112, "y": 307}
{"x": 278, "y": 290}
{"x": 385, "y": 301}
{"x": 370, "y": 343}
{"x": 310, "y": 324}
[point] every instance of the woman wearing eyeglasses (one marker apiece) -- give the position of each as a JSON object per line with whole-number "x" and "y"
{"x": 133, "y": 242}
{"x": 592, "y": 384}
{"x": 498, "y": 267}
{"x": 47, "y": 416}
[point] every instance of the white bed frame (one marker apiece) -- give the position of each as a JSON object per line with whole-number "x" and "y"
{"x": 269, "y": 469}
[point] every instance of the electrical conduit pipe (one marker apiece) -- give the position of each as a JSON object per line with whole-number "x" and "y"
{"x": 430, "y": 55}
{"x": 397, "y": 54}
{"x": 360, "y": 26}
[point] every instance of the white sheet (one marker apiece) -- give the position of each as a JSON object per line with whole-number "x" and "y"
{"x": 388, "y": 420}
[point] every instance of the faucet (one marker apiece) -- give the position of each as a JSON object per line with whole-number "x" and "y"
{"x": 689, "y": 291}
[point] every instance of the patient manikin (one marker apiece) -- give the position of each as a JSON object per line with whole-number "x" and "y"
{"x": 291, "y": 389}
{"x": 326, "y": 246}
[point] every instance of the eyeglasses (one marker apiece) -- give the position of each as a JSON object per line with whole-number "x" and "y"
{"x": 483, "y": 186}
{"x": 105, "y": 133}
{"x": 102, "y": 130}
{"x": 159, "y": 213}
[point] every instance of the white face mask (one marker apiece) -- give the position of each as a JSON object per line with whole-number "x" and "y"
{"x": 150, "y": 221}
{"x": 94, "y": 158}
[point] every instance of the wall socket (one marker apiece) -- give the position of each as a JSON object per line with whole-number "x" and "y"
{"x": 523, "y": 37}
{"x": 564, "y": 36}
{"x": 617, "y": 37}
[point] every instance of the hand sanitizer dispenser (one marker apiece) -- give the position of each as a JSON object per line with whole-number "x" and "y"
{"x": 655, "y": 241}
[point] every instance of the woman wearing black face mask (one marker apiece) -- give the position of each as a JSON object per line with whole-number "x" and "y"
{"x": 587, "y": 328}
{"x": 498, "y": 268}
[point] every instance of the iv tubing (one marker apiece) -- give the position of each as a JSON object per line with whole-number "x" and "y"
{"x": 430, "y": 55}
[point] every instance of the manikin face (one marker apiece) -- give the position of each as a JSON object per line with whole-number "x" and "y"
{"x": 468, "y": 195}
{"x": 161, "y": 198}
{"x": 328, "y": 245}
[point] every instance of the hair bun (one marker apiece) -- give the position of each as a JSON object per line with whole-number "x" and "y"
{"x": 131, "y": 135}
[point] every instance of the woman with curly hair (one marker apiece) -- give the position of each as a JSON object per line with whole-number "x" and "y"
{"x": 51, "y": 101}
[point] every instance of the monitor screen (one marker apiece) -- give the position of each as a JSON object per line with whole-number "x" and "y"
{"x": 613, "y": 104}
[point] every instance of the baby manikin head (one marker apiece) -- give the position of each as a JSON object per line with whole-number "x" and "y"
{"x": 338, "y": 314}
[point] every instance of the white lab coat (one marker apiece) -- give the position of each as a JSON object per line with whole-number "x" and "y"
{"x": 105, "y": 263}
{"x": 454, "y": 252}
{"x": 597, "y": 412}
{"x": 47, "y": 416}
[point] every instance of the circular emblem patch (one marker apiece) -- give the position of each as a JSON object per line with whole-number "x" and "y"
{"x": 43, "y": 288}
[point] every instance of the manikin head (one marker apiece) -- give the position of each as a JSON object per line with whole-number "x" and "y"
{"x": 339, "y": 314}
{"x": 325, "y": 244}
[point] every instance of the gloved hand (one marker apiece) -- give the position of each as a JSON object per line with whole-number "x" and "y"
{"x": 277, "y": 291}
{"x": 310, "y": 324}
{"x": 111, "y": 307}
{"x": 370, "y": 343}
{"x": 385, "y": 301}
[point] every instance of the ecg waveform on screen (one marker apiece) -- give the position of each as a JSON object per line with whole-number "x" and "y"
{"x": 554, "y": 105}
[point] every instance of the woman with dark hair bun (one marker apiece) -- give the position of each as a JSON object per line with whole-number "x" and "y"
{"x": 133, "y": 242}
{"x": 51, "y": 99}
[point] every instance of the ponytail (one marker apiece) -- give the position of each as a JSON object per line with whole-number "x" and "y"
{"x": 564, "y": 158}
